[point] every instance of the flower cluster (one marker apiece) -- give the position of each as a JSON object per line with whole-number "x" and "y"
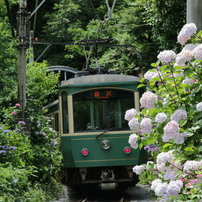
{"x": 150, "y": 75}
{"x": 199, "y": 106}
{"x": 133, "y": 124}
{"x": 187, "y": 31}
{"x": 163, "y": 158}
{"x": 138, "y": 169}
{"x": 151, "y": 148}
{"x": 146, "y": 126}
{"x": 170, "y": 123}
{"x": 160, "y": 188}
{"x": 133, "y": 141}
{"x": 192, "y": 165}
{"x": 161, "y": 117}
{"x": 179, "y": 114}
{"x": 197, "y": 52}
{"x": 167, "y": 56}
{"x": 5, "y": 148}
{"x": 148, "y": 100}
{"x": 130, "y": 114}
{"x": 171, "y": 130}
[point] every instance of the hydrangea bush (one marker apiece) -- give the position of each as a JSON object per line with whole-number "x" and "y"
{"x": 169, "y": 124}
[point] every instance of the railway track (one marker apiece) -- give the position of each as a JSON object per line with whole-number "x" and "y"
{"x": 104, "y": 198}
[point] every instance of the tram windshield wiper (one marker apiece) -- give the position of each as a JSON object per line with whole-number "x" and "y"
{"x": 107, "y": 131}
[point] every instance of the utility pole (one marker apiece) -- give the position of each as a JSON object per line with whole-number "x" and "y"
{"x": 194, "y": 13}
{"x": 22, "y": 19}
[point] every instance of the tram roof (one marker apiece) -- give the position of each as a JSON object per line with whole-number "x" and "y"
{"x": 100, "y": 78}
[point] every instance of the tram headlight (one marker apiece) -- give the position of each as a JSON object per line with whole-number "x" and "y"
{"x": 84, "y": 152}
{"x": 127, "y": 150}
{"x": 106, "y": 144}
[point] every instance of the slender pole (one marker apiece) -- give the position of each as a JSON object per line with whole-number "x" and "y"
{"x": 22, "y": 17}
{"x": 194, "y": 13}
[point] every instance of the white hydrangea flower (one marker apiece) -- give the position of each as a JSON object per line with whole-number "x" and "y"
{"x": 161, "y": 117}
{"x": 155, "y": 183}
{"x": 178, "y": 114}
{"x": 146, "y": 126}
{"x": 189, "y": 46}
{"x": 199, "y": 106}
{"x": 147, "y": 100}
{"x": 197, "y": 52}
{"x": 133, "y": 124}
{"x": 138, "y": 169}
{"x": 161, "y": 167}
{"x": 192, "y": 165}
{"x": 133, "y": 141}
{"x": 179, "y": 139}
{"x": 171, "y": 129}
{"x": 186, "y": 32}
{"x": 161, "y": 189}
{"x": 150, "y": 75}
{"x": 188, "y": 81}
{"x": 164, "y": 157}
{"x": 170, "y": 174}
{"x": 174, "y": 187}
{"x": 183, "y": 56}
{"x": 166, "y": 56}
{"x": 131, "y": 113}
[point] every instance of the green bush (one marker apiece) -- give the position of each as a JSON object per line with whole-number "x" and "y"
{"x": 14, "y": 181}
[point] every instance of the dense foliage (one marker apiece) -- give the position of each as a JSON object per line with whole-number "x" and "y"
{"x": 170, "y": 123}
{"x": 26, "y": 160}
{"x": 146, "y": 25}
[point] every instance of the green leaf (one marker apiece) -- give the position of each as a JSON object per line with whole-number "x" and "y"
{"x": 155, "y": 79}
{"x": 141, "y": 85}
{"x": 188, "y": 151}
{"x": 167, "y": 146}
{"x": 153, "y": 70}
{"x": 187, "y": 71}
{"x": 153, "y": 64}
{"x": 149, "y": 140}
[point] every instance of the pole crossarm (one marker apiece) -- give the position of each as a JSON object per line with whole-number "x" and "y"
{"x": 36, "y": 9}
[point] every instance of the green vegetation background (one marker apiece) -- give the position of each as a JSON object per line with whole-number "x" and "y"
{"x": 30, "y": 172}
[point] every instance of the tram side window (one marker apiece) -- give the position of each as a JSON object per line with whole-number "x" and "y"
{"x": 65, "y": 113}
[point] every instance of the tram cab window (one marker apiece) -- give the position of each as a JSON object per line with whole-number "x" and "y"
{"x": 102, "y": 109}
{"x": 65, "y": 113}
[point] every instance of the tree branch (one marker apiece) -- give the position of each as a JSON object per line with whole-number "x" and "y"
{"x": 9, "y": 17}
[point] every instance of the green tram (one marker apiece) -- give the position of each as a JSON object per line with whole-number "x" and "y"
{"x": 94, "y": 133}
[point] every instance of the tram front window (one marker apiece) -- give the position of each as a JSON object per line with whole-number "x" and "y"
{"x": 104, "y": 109}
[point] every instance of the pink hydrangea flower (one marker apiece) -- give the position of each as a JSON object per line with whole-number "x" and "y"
{"x": 186, "y": 32}
{"x": 160, "y": 117}
{"x": 166, "y": 56}
{"x": 179, "y": 139}
{"x": 179, "y": 114}
{"x": 130, "y": 114}
{"x": 197, "y": 52}
{"x": 147, "y": 100}
{"x": 146, "y": 126}
{"x": 13, "y": 113}
{"x": 171, "y": 129}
